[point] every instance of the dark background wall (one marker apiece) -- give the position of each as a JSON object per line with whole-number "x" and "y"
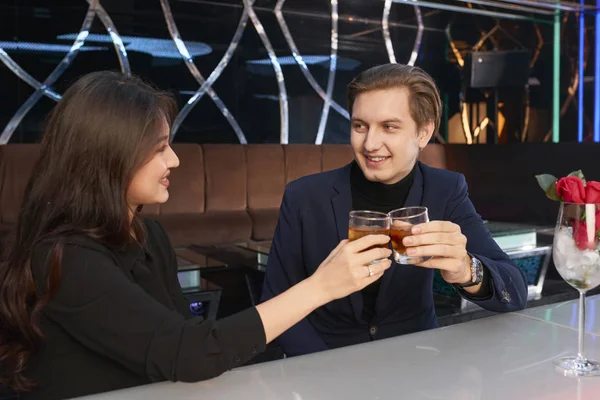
{"x": 249, "y": 89}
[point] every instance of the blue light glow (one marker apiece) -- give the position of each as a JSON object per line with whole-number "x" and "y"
{"x": 597, "y": 80}
{"x": 44, "y": 47}
{"x": 581, "y": 73}
{"x": 345, "y": 64}
{"x": 158, "y": 48}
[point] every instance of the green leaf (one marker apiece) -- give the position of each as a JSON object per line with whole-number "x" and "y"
{"x": 548, "y": 183}
{"x": 552, "y": 194}
{"x": 545, "y": 181}
{"x": 578, "y": 284}
{"x": 578, "y": 174}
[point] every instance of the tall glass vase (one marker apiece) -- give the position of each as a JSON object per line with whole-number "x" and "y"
{"x": 576, "y": 254}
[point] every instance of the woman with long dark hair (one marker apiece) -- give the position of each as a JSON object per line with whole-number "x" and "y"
{"x": 89, "y": 296}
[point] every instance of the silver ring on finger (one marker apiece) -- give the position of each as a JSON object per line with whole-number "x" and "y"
{"x": 371, "y": 272}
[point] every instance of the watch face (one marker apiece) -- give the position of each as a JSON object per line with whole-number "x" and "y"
{"x": 476, "y": 274}
{"x": 478, "y": 270}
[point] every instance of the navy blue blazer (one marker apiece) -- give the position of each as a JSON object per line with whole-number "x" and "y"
{"x": 314, "y": 219}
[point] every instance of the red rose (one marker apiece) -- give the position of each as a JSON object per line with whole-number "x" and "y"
{"x": 571, "y": 190}
{"x": 580, "y": 233}
{"x": 592, "y": 192}
{"x": 581, "y": 237}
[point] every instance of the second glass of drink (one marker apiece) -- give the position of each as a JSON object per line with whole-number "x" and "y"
{"x": 402, "y": 221}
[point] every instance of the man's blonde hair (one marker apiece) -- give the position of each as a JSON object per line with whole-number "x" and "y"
{"x": 424, "y": 98}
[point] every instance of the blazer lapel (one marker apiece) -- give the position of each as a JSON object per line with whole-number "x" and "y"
{"x": 415, "y": 195}
{"x": 341, "y": 202}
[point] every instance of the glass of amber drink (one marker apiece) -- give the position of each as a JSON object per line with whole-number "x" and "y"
{"x": 364, "y": 222}
{"x": 401, "y": 222}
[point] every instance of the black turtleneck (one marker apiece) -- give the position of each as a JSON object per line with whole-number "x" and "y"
{"x": 376, "y": 196}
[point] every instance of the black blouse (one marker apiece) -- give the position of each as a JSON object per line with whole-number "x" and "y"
{"x": 119, "y": 319}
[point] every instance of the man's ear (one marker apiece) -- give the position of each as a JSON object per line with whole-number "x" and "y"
{"x": 425, "y": 133}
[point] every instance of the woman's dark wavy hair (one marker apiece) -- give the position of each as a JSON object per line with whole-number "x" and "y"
{"x": 104, "y": 128}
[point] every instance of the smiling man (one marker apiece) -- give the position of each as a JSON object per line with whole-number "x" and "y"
{"x": 395, "y": 111}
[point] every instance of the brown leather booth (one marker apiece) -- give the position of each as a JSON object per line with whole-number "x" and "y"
{"x": 228, "y": 193}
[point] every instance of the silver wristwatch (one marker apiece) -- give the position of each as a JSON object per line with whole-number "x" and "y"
{"x": 476, "y": 274}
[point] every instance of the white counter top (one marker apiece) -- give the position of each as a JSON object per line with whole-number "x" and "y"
{"x": 565, "y": 314}
{"x": 498, "y": 358}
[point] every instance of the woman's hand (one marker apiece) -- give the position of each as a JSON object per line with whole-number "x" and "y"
{"x": 352, "y": 265}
